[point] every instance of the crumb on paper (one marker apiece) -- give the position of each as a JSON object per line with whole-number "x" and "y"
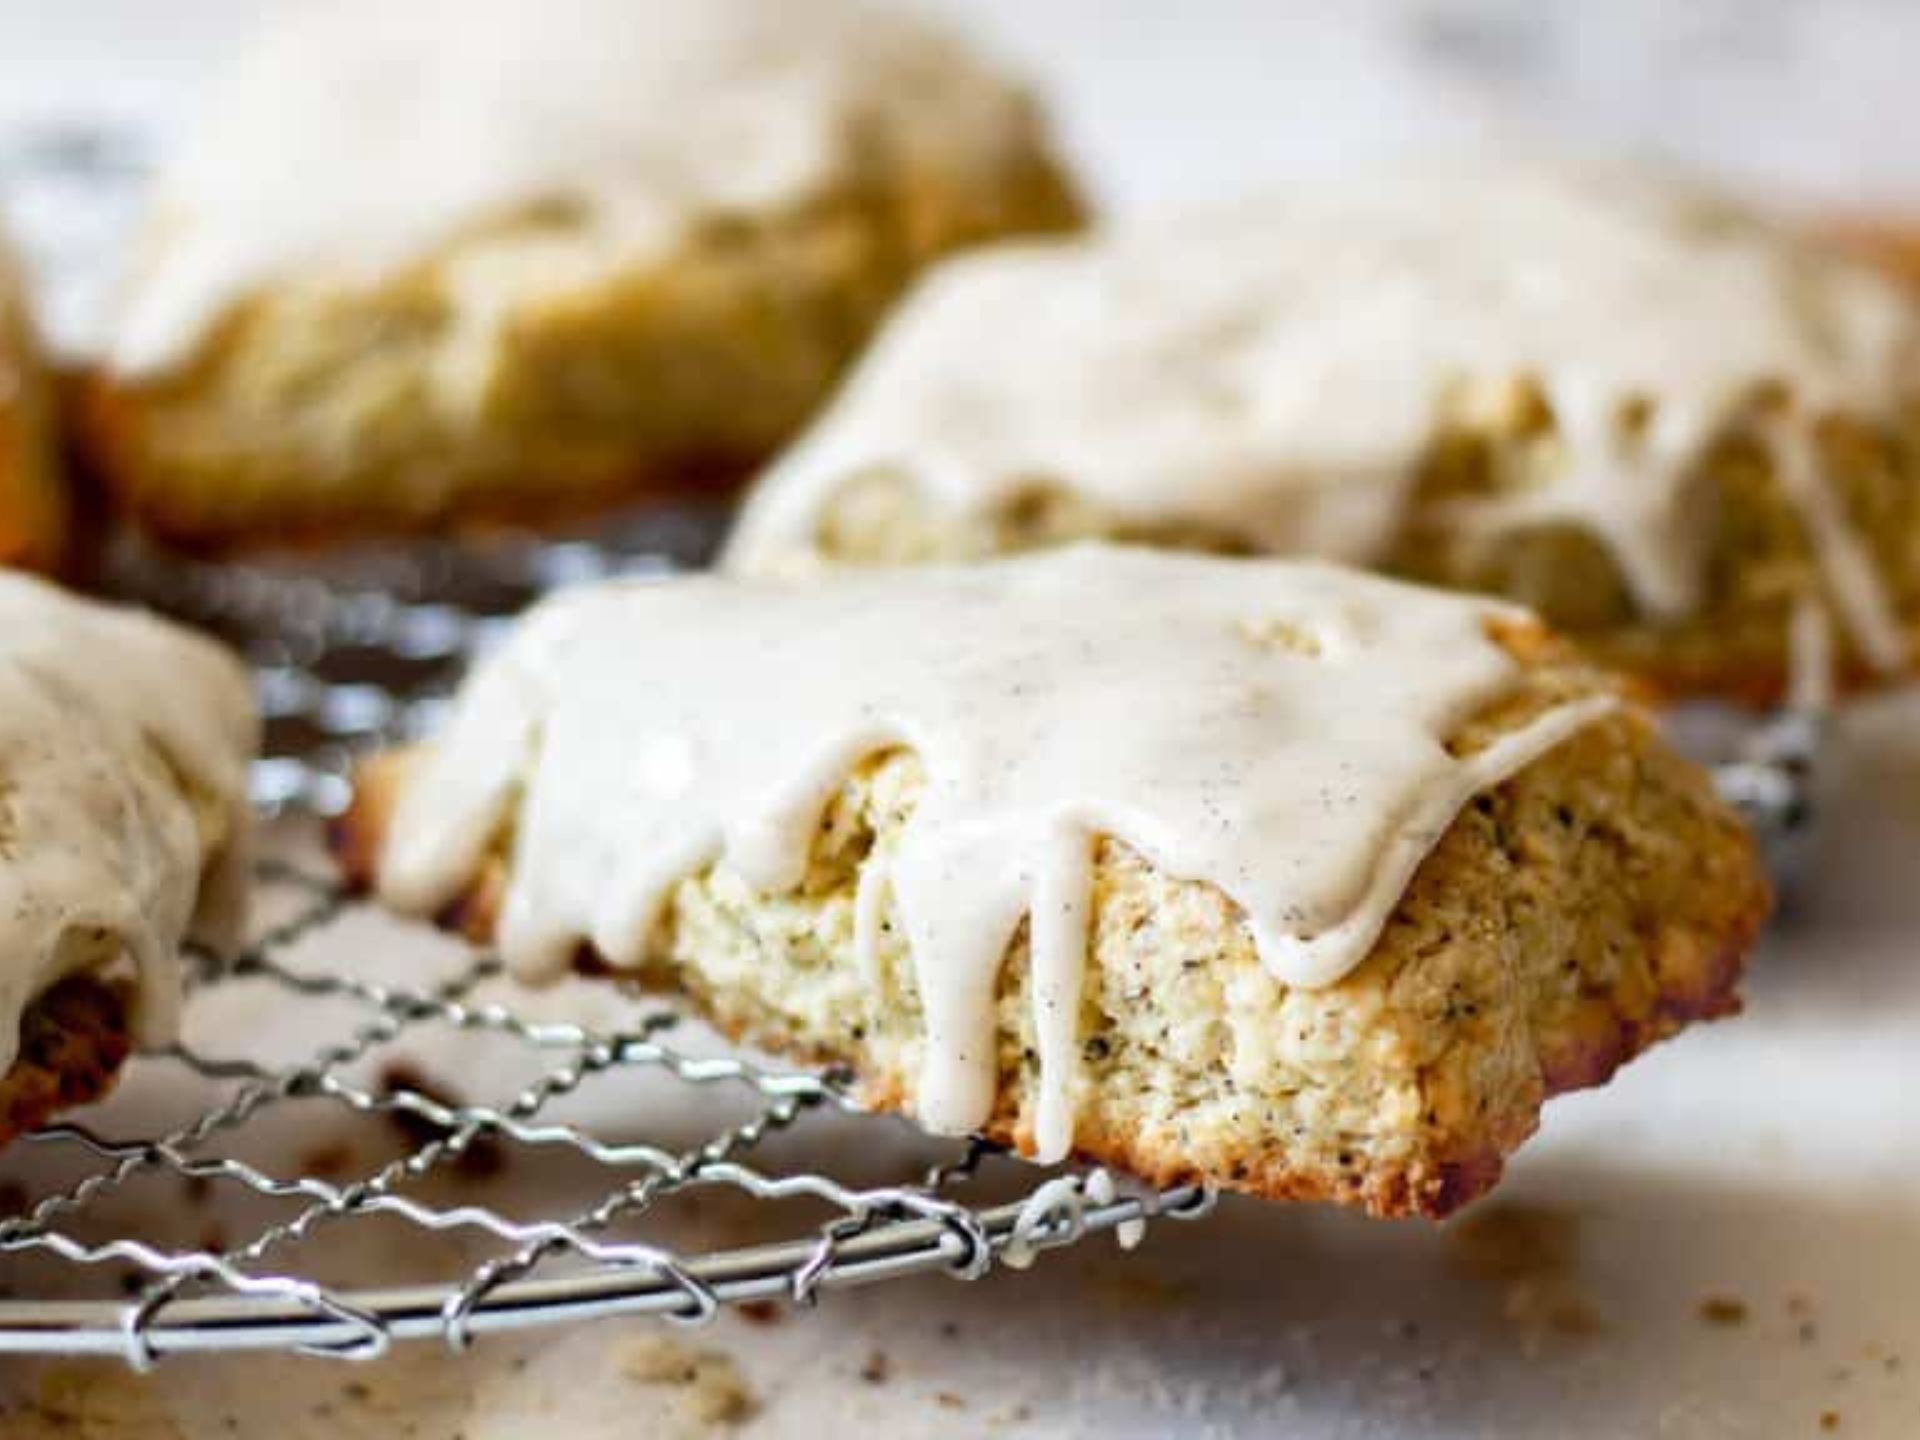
{"x": 1543, "y": 1305}
{"x": 947, "y": 1400}
{"x": 1512, "y": 1241}
{"x": 708, "y": 1387}
{"x": 1532, "y": 1252}
{"x": 1725, "y": 1311}
{"x": 328, "y": 1160}
{"x": 92, "y": 1397}
{"x": 1138, "y": 1287}
{"x": 1829, "y": 1420}
{"x": 760, "y": 1312}
{"x": 877, "y": 1368}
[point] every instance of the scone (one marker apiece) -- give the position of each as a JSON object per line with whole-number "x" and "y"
{"x": 461, "y": 261}
{"x": 1291, "y": 879}
{"x": 1660, "y": 422}
{"x": 124, "y": 744}
{"x": 1891, "y": 242}
{"x": 33, "y": 502}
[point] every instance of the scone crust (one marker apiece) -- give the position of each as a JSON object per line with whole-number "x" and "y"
{"x": 1589, "y": 907}
{"x": 316, "y": 413}
{"x": 74, "y": 1039}
{"x": 33, "y": 502}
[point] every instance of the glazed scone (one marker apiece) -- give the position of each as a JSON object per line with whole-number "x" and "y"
{"x": 1290, "y": 879}
{"x": 1662, "y": 423}
{"x": 33, "y": 500}
{"x": 124, "y": 743}
{"x": 554, "y": 254}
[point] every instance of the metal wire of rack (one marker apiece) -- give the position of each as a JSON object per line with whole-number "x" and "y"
{"x": 876, "y": 1232}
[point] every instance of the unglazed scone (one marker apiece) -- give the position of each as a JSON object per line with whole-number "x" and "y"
{"x": 1663, "y": 423}
{"x": 33, "y": 500}
{"x": 1287, "y": 878}
{"x": 124, "y": 743}
{"x": 549, "y": 255}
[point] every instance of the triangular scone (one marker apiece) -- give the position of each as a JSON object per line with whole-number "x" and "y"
{"x": 33, "y": 500}
{"x": 1667, "y": 426}
{"x": 556, "y": 255}
{"x": 124, "y": 743}
{"x": 1289, "y": 878}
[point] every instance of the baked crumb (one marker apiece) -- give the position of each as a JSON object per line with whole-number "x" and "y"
{"x": 1532, "y": 1252}
{"x": 947, "y": 1400}
{"x": 877, "y": 1368}
{"x": 1829, "y": 1420}
{"x": 328, "y": 1160}
{"x": 709, "y": 1389}
{"x": 760, "y": 1312}
{"x": 1723, "y": 1310}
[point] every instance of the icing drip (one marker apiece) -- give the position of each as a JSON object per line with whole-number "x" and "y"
{"x": 364, "y": 137}
{"x": 1062, "y": 1202}
{"x": 1278, "y": 371}
{"x": 108, "y": 718}
{"x": 1275, "y": 729}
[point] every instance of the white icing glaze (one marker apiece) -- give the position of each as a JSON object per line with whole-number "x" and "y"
{"x": 1276, "y": 371}
{"x": 1273, "y": 728}
{"x": 360, "y": 137}
{"x": 107, "y": 718}
{"x": 1063, "y": 1201}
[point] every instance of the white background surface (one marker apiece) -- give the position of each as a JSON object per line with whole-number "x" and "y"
{"x": 1774, "y": 1160}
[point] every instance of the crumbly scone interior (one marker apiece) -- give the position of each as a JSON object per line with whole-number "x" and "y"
{"x": 1569, "y": 917}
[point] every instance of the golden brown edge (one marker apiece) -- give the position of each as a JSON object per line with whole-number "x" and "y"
{"x": 1701, "y": 987}
{"x": 36, "y": 526}
{"x": 74, "y": 1042}
{"x": 105, "y": 422}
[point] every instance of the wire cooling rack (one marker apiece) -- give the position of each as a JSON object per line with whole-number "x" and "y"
{"x": 364, "y": 654}
{"x": 361, "y": 652}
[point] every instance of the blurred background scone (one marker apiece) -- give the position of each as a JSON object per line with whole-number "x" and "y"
{"x": 33, "y": 516}
{"x": 511, "y": 259}
{"x": 1665, "y": 424}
